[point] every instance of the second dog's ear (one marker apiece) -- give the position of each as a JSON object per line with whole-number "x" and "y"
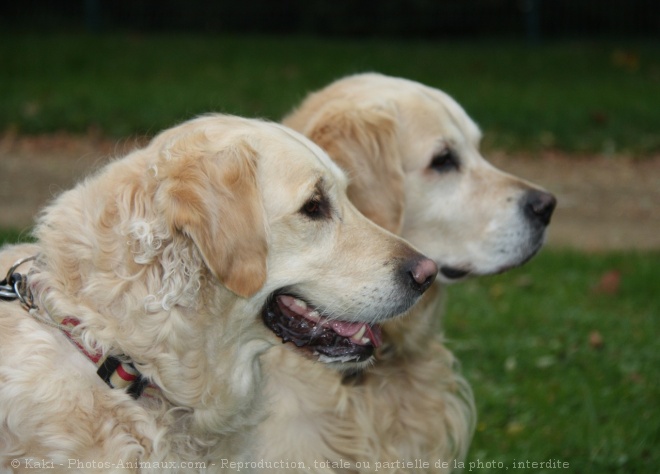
{"x": 363, "y": 142}
{"x": 212, "y": 197}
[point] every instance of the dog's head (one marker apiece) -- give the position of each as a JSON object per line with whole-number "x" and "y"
{"x": 268, "y": 212}
{"x": 412, "y": 154}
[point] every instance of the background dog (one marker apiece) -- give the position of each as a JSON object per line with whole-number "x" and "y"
{"x": 190, "y": 259}
{"x": 412, "y": 155}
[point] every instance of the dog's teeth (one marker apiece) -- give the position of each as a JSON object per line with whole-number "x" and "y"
{"x": 300, "y": 303}
{"x": 365, "y": 341}
{"x": 358, "y": 335}
{"x": 314, "y": 315}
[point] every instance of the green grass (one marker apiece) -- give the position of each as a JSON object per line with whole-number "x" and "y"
{"x": 10, "y": 236}
{"x": 544, "y": 389}
{"x": 575, "y": 96}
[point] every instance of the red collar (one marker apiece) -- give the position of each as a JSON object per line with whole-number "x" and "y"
{"x": 115, "y": 371}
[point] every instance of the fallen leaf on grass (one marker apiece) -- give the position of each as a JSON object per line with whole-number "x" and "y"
{"x": 636, "y": 377}
{"x": 609, "y": 283}
{"x": 596, "y": 340}
{"x": 625, "y": 59}
{"x": 514, "y": 428}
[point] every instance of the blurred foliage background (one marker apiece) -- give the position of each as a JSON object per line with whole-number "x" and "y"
{"x": 536, "y": 74}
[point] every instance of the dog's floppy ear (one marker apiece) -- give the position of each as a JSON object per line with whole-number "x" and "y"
{"x": 212, "y": 197}
{"x": 362, "y": 140}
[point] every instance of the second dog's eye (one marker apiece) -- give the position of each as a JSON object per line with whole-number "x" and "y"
{"x": 316, "y": 208}
{"x": 312, "y": 207}
{"x": 444, "y": 161}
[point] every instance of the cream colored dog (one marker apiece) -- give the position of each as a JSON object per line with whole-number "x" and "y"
{"x": 188, "y": 261}
{"x": 412, "y": 155}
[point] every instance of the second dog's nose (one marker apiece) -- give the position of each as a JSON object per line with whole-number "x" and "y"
{"x": 539, "y": 205}
{"x": 423, "y": 274}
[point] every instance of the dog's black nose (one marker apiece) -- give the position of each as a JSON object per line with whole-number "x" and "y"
{"x": 539, "y": 206}
{"x": 422, "y": 274}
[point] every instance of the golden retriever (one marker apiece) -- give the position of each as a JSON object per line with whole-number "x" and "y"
{"x": 412, "y": 156}
{"x": 188, "y": 261}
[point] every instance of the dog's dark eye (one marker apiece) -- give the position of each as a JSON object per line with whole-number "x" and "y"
{"x": 444, "y": 161}
{"x": 316, "y": 208}
{"x": 312, "y": 207}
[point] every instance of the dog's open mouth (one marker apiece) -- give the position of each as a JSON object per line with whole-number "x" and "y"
{"x": 332, "y": 340}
